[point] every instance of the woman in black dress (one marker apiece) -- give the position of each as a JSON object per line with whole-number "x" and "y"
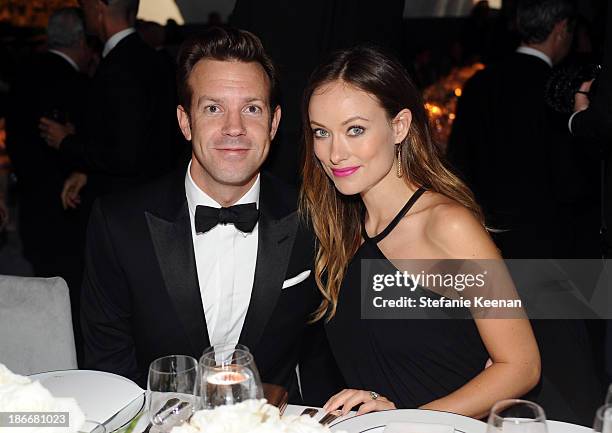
{"x": 375, "y": 187}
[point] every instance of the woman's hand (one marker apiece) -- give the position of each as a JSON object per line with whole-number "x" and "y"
{"x": 71, "y": 197}
{"x": 53, "y": 132}
{"x": 347, "y": 399}
{"x": 581, "y": 98}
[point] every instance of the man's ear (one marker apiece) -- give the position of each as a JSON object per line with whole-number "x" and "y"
{"x": 401, "y": 125}
{"x": 276, "y": 117}
{"x": 561, "y": 28}
{"x": 184, "y": 122}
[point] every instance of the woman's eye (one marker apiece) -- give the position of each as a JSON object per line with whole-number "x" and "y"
{"x": 356, "y": 130}
{"x": 252, "y": 109}
{"x": 320, "y": 133}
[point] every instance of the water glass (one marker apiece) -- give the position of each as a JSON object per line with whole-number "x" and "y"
{"x": 598, "y": 423}
{"x": 173, "y": 391}
{"x": 516, "y": 416}
{"x": 228, "y": 376}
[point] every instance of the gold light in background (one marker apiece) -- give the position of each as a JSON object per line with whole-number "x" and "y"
{"x": 441, "y": 100}
{"x": 30, "y": 13}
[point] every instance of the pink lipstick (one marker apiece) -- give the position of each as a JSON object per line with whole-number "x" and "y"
{"x": 343, "y": 172}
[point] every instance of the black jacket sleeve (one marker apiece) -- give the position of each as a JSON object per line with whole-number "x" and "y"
{"x": 106, "y": 304}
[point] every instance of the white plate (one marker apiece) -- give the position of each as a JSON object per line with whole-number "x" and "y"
{"x": 566, "y": 427}
{"x": 104, "y": 397}
{"x": 375, "y": 422}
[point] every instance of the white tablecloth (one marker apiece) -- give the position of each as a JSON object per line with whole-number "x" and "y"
{"x": 553, "y": 426}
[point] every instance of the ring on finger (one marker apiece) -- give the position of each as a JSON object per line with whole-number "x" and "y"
{"x": 374, "y": 395}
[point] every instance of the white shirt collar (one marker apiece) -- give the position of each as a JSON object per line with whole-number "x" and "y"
{"x": 195, "y": 196}
{"x": 115, "y": 39}
{"x": 533, "y": 52}
{"x": 67, "y": 58}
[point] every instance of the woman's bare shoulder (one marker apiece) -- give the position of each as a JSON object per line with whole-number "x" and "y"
{"x": 455, "y": 231}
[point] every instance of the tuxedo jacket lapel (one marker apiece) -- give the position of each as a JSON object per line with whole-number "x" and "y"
{"x": 171, "y": 235}
{"x": 278, "y": 223}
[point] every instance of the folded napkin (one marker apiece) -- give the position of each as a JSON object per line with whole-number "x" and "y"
{"x": 417, "y": 427}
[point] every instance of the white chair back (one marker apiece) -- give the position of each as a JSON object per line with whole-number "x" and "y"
{"x": 35, "y": 325}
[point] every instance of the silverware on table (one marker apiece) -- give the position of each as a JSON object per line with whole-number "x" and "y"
{"x": 171, "y": 402}
{"x": 330, "y": 417}
{"x": 310, "y": 411}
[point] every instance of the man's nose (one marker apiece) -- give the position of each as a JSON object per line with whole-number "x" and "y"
{"x": 234, "y": 125}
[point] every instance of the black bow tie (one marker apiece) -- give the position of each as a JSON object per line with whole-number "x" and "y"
{"x": 243, "y": 216}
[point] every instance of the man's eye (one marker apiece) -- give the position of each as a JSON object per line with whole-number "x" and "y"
{"x": 320, "y": 133}
{"x": 253, "y": 109}
{"x": 356, "y": 130}
{"x": 212, "y": 109}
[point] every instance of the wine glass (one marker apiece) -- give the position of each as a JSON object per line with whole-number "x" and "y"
{"x": 228, "y": 376}
{"x": 172, "y": 388}
{"x": 598, "y": 423}
{"x": 607, "y": 420}
{"x": 516, "y": 416}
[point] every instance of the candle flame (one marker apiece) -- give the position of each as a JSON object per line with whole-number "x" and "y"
{"x": 227, "y": 378}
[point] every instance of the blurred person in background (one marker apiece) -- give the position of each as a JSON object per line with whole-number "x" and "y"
{"x": 516, "y": 155}
{"x": 592, "y": 122}
{"x": 51, "y": 84}
{"x": 130, "y": 135}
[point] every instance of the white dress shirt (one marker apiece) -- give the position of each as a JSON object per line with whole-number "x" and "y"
{"x": 225, "y": 262}
{"x": 115, "y": 39}
{"x": 67, "y": 58}
{"x": 536, "y": 53}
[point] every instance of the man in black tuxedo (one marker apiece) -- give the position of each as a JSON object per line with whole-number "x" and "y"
{"x": 215, "y": 253}
{"x": 52, "y": 83}
{"x": 515, "y": 154}
{"x": 130, "y": 136}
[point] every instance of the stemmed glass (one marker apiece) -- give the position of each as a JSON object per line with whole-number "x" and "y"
{"x": 598, "y": 423}
{"x": 607, "y": 420}
{"x": 228, "y": 376}
{"x": 516, "y": 416}
{"x": 172, "y": 389}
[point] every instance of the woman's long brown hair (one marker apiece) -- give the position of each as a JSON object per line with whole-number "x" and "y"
{"x": 336, "y": 218}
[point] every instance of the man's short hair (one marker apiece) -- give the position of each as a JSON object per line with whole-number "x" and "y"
{"x": 225, "y": 44}
{"x": 536, "y": 19}
{"x": 128, "y": 9}
{"x": 65, "y": 29}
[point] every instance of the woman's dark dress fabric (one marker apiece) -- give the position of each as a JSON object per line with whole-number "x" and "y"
{"x": 411, "y": 362}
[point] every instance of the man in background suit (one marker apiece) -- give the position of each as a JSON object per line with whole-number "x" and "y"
{"x": 515, "y": 154}
{"x": 511, "y": 148}
{"x": 51, "y": 84}
{"x": 216, "y": 252}
{"x": 592, "y": 122}
{"x": 130, "y": 136}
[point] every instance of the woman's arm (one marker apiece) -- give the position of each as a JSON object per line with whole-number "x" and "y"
{"x": 510, "y": 343}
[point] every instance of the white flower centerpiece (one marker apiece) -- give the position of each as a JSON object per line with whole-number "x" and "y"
{"x": 20, "y": 394}
{"x": 251, "y": 416}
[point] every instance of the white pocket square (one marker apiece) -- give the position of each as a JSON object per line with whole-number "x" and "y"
{"x": 296, "y": 280}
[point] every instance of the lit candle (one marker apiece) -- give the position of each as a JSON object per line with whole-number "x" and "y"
{"x": 227, "y": 378}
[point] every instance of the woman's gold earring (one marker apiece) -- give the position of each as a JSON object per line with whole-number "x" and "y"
{"x": 399, "y": 160}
